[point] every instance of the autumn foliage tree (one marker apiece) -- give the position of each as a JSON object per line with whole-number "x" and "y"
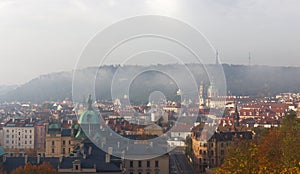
{"x": 44, "y": 168}
{"x": 241, "y": 157}
{"x": 275, "y": 152}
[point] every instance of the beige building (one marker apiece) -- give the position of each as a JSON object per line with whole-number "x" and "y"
{"x": 58, "y": 141}
{"x": 153, "y": 129}
{"x": 210, "y": 152}
{"x": 18, "y": 136}
{"x": 158, "y": 165}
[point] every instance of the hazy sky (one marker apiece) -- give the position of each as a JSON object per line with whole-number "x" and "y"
{"x": 38, "y": 37}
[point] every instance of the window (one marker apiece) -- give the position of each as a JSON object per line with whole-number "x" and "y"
{"x": 64, "y": 142}
{"x": 156, "y": 163}
{"x": 76, "y": 167}
{"x": 30, "y": 136}
{"x": 7, "y": 142}
{"x": 7, "y": 136}
{"x": 52, "y": 143}
{"x": 140, "y": 163}
{"x": 64, "y": 151}
{"x": 131, "y": 164}
{"x": 69, "y": 141}
{"x": 25, "y": 142}
{"x": 222, "y": 152}
{"x": 12, "y": 131}
{"x": 148, "y": 163}
{"x": 7, "y": 130}
{"x": 19, "y": 133}
{"x": 52, "y": 150}
{"x": 12, "y": 142}
{"x": 25, "y": 131}
{"x": 30, "y": 142}
{"x": 222, "y": 144}
{"x": 29, "y": 131}
{"x": 25, "y": 136}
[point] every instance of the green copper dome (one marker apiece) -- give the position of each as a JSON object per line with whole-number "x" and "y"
{"x": 89, "y": 116}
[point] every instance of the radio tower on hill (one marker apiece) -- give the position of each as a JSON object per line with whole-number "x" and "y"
{"x": 249, "y": 59}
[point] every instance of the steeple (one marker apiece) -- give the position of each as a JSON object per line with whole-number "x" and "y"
{"x": 90, "y": 102}
{"x": 236, "y": 117}
{"x": 217, "y": 58}
{"x": 201, "y": 96}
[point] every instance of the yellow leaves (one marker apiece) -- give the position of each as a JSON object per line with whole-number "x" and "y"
{"x": 276, "y": 152}
{"x": 44, "y": 168}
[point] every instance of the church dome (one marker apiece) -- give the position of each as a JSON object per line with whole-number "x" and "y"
{"x": 89, "y": 116}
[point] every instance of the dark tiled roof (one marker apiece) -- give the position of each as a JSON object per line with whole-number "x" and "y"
{"x": 12, "y": 163}
{"x": 97, "y": 157}
{"x": 66, "y": 132}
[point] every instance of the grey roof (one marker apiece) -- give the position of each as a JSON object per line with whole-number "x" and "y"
{"x": 12, "y": 163}
{"x": 97, "y": 157}
{"x": 66, "y": 132}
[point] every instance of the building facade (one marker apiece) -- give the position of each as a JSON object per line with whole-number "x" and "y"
{"x": 40, "y": 136}
{"x": 18, "y": 136}
{"x": 59, "y": 142}
{"x": 158, "y": 165}
{"x": 210, "y": 152}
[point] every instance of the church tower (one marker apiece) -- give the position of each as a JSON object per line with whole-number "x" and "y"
{"x": 201, "y": 96}
{"x": 236, "y": 117}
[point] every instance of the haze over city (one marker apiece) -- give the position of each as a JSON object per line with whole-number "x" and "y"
{"x": 44, "y": 37}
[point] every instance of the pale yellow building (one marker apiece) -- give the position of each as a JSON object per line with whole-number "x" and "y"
{"x": 158, "y": 165}
{"x": 58, "y": 141}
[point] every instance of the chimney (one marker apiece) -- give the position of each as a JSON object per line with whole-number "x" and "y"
{"x": 26, "y": 158}
{"x": 110, "y": 150}
{"x": 107, "y": 158}
{"x": 4, "y": 158}
{"x": 61, "y": 158}
{"x": 38, "y": 159}
{"x": 90, "y": 150}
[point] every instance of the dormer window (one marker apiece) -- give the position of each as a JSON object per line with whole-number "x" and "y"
{"x": 76, "y": 165}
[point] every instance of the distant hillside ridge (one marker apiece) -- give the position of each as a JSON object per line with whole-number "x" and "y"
{"x": 256, "y": 80}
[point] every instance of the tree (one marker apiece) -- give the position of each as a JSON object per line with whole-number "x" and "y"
{"x": 44, "y": 168}
{"x": 278, "y": 151}
{"x": 240, "y": 158}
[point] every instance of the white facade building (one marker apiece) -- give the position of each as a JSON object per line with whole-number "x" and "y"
{"x": 18, "y": 134}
